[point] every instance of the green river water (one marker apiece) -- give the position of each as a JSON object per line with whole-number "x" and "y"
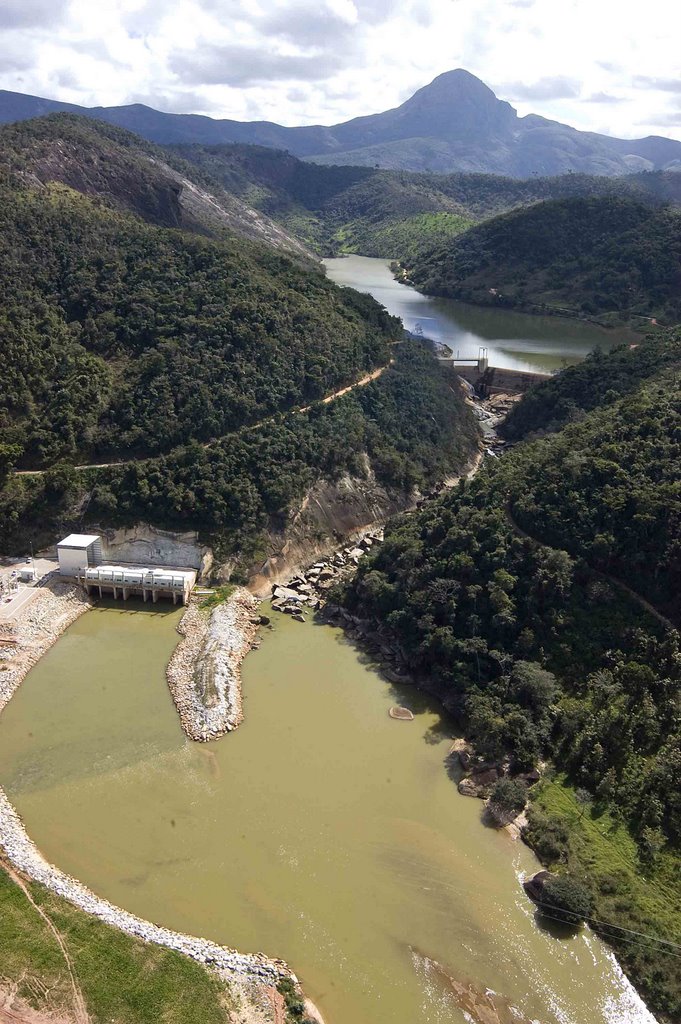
{"x": 516, "y": 341}
{"x": 322, "y": 831}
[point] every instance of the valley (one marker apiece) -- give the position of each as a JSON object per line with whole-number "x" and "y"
{"x": 204, "y": 338}
{"x": 305, "y": 832}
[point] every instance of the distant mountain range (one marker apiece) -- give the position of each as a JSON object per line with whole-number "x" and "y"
{"x": 454, "y": 124}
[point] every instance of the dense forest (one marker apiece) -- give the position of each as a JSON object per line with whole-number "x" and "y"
{"x": 509, "y": 599}
{"x": 124, "y": 338}
{"x": 128, "y": 338}
{"x": 609, "y": 255}
{"x": 406, "y": 427}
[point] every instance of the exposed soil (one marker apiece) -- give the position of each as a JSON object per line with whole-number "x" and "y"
{"x": 80, "y": 1014}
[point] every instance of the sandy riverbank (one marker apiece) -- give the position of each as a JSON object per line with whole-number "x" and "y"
{"x": 204, "y": 673}
{"x": 35, "y": 628}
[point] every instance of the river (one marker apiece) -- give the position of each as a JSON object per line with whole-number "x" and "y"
{"x": 322, "y": 831}
{"x": 515, "y": 341}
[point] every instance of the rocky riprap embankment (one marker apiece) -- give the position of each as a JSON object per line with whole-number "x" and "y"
{"x": 204, "y": 673}
{"x": 309, "y": 589}
{"x": 36, "y": 628}
{"x": 27, "y": 858}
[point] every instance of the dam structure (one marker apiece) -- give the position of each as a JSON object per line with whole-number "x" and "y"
{"x": 487, "y": 380}
{"x": 82, "y": 557}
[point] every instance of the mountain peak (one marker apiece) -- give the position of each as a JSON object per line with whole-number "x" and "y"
{"x": 456, "y": 81}
{"x": 456, "y": 105}
{"x": 455, "y": 123}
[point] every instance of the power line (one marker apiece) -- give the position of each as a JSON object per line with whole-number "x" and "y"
{"x": 648, "y": 936}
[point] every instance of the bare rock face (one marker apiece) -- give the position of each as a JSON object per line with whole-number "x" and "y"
{"x": 144, "y": 544}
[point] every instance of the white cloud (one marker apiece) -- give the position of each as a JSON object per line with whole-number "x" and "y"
{"x": 597, "y": 67}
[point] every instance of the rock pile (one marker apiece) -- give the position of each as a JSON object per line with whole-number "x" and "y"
{"x": 204, "y": 673}
{"x": 376, "y": 640}
{"x": 309, "y": 589}
{"x": 27, "y": 858}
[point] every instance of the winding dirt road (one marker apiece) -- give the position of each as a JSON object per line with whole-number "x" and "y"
{"x": 296, "y": 411}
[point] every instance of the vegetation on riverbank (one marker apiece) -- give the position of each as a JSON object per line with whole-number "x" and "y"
{"x": 504, "y": 597}
{"x": 635, "y": 892}
{"x": 121, "y": 979}
{"x": 611, "y": 255}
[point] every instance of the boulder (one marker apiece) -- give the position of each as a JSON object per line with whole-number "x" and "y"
{"x": 534, "y": 887}
{"x": 468, "y": 788}
{"x": 286, "y": 594}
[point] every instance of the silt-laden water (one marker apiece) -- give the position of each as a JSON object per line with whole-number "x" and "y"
{"x": 323, "y": 831}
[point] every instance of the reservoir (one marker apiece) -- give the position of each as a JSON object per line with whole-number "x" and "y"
{"x": 515, "y": 341}
{"x": 322, "y": 831}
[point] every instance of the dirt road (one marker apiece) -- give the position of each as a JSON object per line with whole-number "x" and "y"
{"x": 297, "y": 411}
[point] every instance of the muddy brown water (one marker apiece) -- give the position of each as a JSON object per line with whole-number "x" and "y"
{"x": 515, "y": 341}
{"x": 323, "y": 831}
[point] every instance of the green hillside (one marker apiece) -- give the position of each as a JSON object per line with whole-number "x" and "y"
{"x": 392, "y": 214}
{"x": 134, "y": 176}
{"x": 128, "y": 341}
{"x": 509, "y": 598}
{"x": 609, "y": 255}
{"x": 591, "y": 384}
{"x": 121, "y": 337}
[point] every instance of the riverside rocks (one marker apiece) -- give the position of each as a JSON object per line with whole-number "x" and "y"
{"x": 309, "y": 588}
{"x": 204, "y": 672}
{"x": 25, "y": 856}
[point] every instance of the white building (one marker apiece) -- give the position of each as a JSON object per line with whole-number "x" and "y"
{"x": 78, "y": 552}
{"x": 134, "y": 580}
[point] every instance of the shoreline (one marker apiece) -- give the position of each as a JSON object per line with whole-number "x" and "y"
{"x": 204, "y": 672}
{"x": 37, "y": 628}
{"x": 216, "y": 645}
{"x": 24, "y": 855}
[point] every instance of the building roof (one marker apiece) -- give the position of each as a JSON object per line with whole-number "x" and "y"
{"x": 140, "y": 574}
{"x": 79, "y": 540}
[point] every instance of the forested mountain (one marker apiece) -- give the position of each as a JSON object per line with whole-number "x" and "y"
{"x": 509, "y": 598}
{"x": 392, "y": 214}
{"x": 124, "y": 338}
{"x": 133, "y": 175}
{"x": 454, "y": 123}
{"x": 594, "y": 255}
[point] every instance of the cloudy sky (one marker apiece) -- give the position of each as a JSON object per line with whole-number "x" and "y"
{"x": 611, "y": 66}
